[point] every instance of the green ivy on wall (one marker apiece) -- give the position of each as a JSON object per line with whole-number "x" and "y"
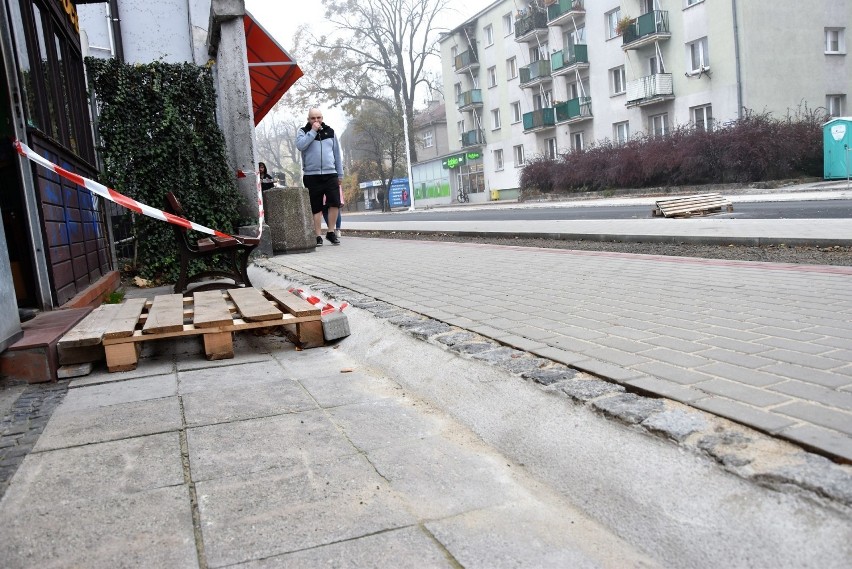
{"x": 158, "y": 133}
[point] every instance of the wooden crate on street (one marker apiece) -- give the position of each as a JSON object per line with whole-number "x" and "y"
{"x": 686, "y": 206}
{"x": 116, "y": 332}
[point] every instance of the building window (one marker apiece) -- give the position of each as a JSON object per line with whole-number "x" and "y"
{"x": 835, "y": 105}
{"x": 460, "y": 126}
{"x": 489, "y": 35}
{"x": 454, "y": 52}
{"x": 492, "y": 76}
{"x": 612, "y": 23}
{"x": 699, "y": 55}
{"x": 655, "y": 65}
{"x": 495, "y": 119}
{"x": 516, "y": 112}
{"x": 621, "y": 132}
{"x": 617, "y": 82}
{"x": 693, "y": 2}
{"x": 535, "y": 54}
{"x": 702, "y": 117}
{"x": 508, "y": 24}
{"x": 498, "y": 159}
{"x": 659, "y": 124}
{"x": 457, "y": 89}
{"x": 835, "y": 41}
{"x": 428, "y": 139}
{"x": 518, "y": 151}
{"x": 512, "y": 68}
{"x": 577, "y": 142}
{"x": 550, "y": 148}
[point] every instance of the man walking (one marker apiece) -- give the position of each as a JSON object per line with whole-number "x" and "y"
{"x": 322, "y": 171}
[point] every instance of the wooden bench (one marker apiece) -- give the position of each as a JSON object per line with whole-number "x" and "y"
{"x": 233, "y": 252}
{"x": 685, "y": 206}
{"x": 115, "y": 332}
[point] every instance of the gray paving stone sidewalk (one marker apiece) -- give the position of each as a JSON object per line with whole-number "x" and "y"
{"x": 278, "y": 458}
{"x": 766, "y": 345}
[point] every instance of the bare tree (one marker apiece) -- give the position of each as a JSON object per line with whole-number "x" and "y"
{"x": 276, "y": 143}
{"x": 378, "y": 136}
{"x": 377, "y": 42}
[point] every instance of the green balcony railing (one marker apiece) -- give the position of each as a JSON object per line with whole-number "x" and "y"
{"x": 535, "y": 19}
{"x": 472, "y": 97}
{"x": 535, "y": 70}
{"x": 540, "y": 118}
{"x": 575, "y": 108}
{"x": 473, "y": 138}
{"x": 578, "y": 53}
{"x": 563, "y": 7}
{"x": 654, "y": 22}
{"x": 466, "y": 58}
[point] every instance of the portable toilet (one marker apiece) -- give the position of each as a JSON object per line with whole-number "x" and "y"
{"x": 837, "y": 145}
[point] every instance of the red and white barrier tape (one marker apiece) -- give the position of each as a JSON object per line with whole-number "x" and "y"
{"x": 124, "y": 201}
{"x": 326, "y": 308}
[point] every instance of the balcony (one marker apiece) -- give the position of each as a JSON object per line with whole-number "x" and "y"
{"x": 469, "y": 100}
{"x": 568, "y": 60}
{"x": 646, "y": 29}
{"x": 531, "y": 25}
{"x": 535, "y": 73}
{"x": 649, "y": 90}
{"x": 472, "y": 138}
{"x": 573, "y": 111}
{"x": 466, "y": 61}
{"x": 542, "y": 119}
{"x": 564, "y": 12}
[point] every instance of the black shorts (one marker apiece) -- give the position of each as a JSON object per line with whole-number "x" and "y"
{"x": 322, "y": 185}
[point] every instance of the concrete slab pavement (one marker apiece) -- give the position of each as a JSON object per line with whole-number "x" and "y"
{"x": 281, "y": 459}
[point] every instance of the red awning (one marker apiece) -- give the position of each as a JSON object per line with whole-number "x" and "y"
{"x": 271, "y": 69}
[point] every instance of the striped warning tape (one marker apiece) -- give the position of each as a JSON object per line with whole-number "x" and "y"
{"x": 326, "y": 308}
{"x": 124, "y": 201}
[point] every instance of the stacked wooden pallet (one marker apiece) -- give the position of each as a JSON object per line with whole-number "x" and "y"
{"x": 685, "y": 206}
{"x": 115, "y": 331}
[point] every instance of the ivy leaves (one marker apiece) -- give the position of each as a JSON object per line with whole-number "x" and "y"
{"x": 158, "y": 133}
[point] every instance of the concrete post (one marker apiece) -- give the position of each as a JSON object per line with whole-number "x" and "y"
{"x": 227, "y": 46}
{"x": 288, "y": 213}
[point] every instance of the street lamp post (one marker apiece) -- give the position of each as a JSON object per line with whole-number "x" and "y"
{"x": 407, "y": 145}
{"x": 408, "y": 154}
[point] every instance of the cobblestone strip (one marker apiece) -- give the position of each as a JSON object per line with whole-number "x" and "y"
{"x": 750, "y": 454}
{"x": 22, "y": 426}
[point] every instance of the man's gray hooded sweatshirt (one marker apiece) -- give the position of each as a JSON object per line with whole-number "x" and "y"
{"x": 320, "y": 151}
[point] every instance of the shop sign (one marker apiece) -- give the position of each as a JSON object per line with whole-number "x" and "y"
{"x": 71, "y": 13}
{"x": 457, "y": 160}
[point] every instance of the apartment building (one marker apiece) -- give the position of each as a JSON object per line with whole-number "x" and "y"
{"x": 539, "y": 77}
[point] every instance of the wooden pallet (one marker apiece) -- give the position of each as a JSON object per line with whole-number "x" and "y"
{"x": 116, "y": 331}
{"x": 685, "y": 206}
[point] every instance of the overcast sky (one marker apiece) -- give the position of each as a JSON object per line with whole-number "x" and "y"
{"x": 282, "y": 20}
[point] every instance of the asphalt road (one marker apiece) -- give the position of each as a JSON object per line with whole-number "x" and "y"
{"x": 816, "y": 209}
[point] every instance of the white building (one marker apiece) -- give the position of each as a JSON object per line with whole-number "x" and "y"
{"x": 561, "y": 74}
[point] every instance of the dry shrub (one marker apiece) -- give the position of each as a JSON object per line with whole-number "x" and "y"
{"x": 754, "y": 148}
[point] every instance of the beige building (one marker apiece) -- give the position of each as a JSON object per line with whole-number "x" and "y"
{"x": 539, "y": 77}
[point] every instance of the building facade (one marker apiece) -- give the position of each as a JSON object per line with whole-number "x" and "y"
{"x": 431, "y": 172}
{"x": 56, "y": 240}
{"x": 555, "y": 75}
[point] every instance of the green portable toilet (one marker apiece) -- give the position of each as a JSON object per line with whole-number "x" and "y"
{"x": 837, "y": 143}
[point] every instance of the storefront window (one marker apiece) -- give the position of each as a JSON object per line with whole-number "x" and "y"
{"x": 28, "y": 94}
{"x": 47, "y": 73}
{"x": 65, "y": 95}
